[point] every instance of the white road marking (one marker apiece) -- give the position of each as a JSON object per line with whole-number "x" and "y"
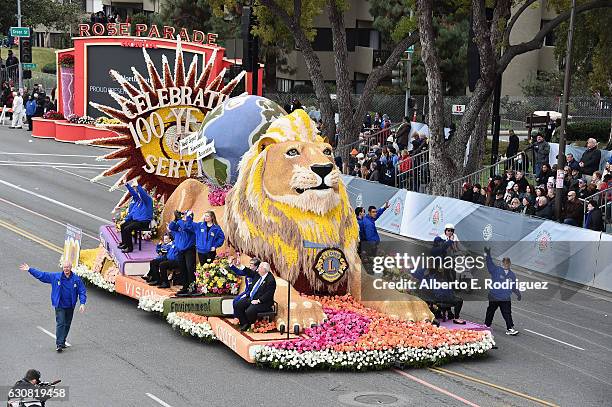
{"x": 27, "y": 191}
{"x": 87, "y": 178}
{"x": 43, "y": 216}
{"x": 50, "y": 334}
{"x": 49, "y": 154}
{"x": 553, "y": 339}
{"x": 10, "y": 162}
{"x": 158, "y": 400}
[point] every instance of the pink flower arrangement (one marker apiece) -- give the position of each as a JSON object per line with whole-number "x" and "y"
{"x": 217, "y": 194}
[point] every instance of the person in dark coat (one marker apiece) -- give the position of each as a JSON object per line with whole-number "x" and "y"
{"x": 260, "y": 299}
{"x": 573, "y": 210}
{"x": 528, "y": 208}
{"x": 468, "y": 193}
{"x": 403, "y": 134}
{"x": 589, "y": 162}
{"x": 513, "y": 144}
{"x": 543, "y": 210}
{"x": 477, "y": 196}
{"x": 593, "y": 219}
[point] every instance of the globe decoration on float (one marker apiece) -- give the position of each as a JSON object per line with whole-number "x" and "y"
{"x": 156, "y": 116}
{"x": 234, "y": 127}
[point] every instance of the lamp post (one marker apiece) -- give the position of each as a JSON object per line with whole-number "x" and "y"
{"x": 19, "y": 25}
{"x": 566, "y": 91}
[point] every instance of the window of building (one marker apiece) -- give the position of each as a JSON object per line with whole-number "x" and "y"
{"x": 550, "y": 39}
{"x": 284, "y": 85}
{"x": 323, "y": 40}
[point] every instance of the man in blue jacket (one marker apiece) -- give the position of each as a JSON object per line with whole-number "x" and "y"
{"x": 503, "y": 282}
{"x": 65, "y": 288}
{"x": 184, "y": 240}
{"x": 167, "y": 259}
{"x": 370, "y": 233}
{"x": 139, "y": 216}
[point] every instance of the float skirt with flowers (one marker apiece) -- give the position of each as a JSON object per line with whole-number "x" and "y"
{"x": 353, "y": 337}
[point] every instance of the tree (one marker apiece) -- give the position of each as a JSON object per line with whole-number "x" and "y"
{"x": 496, "y": 53}
{"x": 297, "y": 16}
{"x": 592, "y": 48}
{"x": 51, "y": 14}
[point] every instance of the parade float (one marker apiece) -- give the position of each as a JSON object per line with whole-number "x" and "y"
{"x": 272, "y": 182}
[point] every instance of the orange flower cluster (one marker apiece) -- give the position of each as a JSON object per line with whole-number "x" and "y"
{"x": 263, "y": 327}
{"x": 196, "y": 319}
{"x": 385, "y": 332}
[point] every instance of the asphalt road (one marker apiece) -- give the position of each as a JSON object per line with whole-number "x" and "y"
{"x": 121, "y": 356}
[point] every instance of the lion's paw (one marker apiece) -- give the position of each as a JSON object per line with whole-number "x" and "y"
{"x": 304, "y": 312}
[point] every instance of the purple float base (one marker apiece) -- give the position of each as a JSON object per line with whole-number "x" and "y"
{"x": 135, "y": 263}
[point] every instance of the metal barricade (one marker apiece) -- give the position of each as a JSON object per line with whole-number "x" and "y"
{"x": 413, "y": 173}
{"x": 603, "y": 200}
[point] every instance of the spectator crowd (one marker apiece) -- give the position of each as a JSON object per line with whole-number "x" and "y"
{"x": 582, "y": 182}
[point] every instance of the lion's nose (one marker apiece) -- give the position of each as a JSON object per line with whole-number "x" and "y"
{"x": 322, "y": 170}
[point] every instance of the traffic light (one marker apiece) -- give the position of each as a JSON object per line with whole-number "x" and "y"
{"x": 25, "y": 50}
{"x": 26, "y": 74}
{"x": 397, "y": 74}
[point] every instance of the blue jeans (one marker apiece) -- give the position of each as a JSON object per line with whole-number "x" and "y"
{"x": 63, "y": 319}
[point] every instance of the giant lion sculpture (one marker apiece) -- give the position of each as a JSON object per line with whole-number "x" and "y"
{"x": 288, "y": 198}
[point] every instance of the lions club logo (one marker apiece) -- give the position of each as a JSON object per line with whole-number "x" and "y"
{"x": 487, "y": 232}
{"x": 436, "y": 216}
{"x": 330, "y": 265}
{"x": 543, "y": 241}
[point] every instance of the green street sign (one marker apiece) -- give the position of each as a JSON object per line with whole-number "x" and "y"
{"x": 28, "y": 66}
{"x": 410, "y": 49}
{"x": 20, "y": 31}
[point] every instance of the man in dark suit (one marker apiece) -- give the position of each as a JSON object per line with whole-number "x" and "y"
{"x": 260, "y": 299}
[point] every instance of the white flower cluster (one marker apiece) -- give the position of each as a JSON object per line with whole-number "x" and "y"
{"x": 370, "y": 359}
{"x": 153, "y": 302}
{"x": 94, "y": 278}
{"x": 202, "y": 330}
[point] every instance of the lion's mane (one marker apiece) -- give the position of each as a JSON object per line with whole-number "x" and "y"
{"x": 260, "y": 226}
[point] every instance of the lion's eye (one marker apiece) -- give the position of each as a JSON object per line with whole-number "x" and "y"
{"x": 293, "y": 152}
{"x": 327, "y": 151}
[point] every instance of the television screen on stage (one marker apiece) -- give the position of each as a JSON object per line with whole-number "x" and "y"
{"x": 102, "y": 58}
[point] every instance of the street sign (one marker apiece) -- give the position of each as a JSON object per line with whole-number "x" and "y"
{"x": 458, "y": 109}
{"x": 28, "y": 66}
{"x": 410, "y": 49}
{"x": 20, "y": 31}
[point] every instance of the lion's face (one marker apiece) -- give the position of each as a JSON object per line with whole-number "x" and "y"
{"x": 303, "y": 175}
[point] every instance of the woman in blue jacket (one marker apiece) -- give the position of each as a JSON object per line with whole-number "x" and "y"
{"x": 209, "y": 237}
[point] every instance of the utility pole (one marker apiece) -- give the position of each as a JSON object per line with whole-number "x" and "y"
{"x": 566, "y": 92}
{"x": 19, "y": 25}
{"x": 408, "y": 81}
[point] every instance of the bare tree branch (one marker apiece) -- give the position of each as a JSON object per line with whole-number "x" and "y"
{"x": 513, "y": 19}
{"x": 538, "y": 39}
{"x": 297, "y": 11}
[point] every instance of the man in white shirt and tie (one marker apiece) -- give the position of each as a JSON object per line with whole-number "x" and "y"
{"x": 259, "y": 299}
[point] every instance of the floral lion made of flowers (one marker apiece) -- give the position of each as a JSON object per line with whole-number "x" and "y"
{"x": 288, "y": 193}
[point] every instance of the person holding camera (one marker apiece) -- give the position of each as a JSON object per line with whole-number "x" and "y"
{"x": 184, "y": 241}
{"x": 18, "y": 395}
{"x": 140, "y": 213}
{"x": 66, "y": 287}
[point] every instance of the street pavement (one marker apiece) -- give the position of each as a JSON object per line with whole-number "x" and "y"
{"x": 122, "y": 356}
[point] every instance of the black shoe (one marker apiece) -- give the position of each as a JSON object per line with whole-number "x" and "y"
{"x": 245, "y": 327}
{"x": 155, "y": 282}
{"x": 164, "y": 285}
{"x": 145, "y": 278}
{"x": 59, "y": 349}
{"x": 195, "y": 293}
{"x": 182, "y": 293}
{"x": 127, "y": 250}
{"x": 64, "y": 346}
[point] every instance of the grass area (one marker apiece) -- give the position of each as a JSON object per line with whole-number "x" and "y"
{"x": 43, "y": 56}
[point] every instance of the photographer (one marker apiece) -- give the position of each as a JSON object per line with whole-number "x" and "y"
{"x": 185, "y": 243}
{"x": 24, "y": 392}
